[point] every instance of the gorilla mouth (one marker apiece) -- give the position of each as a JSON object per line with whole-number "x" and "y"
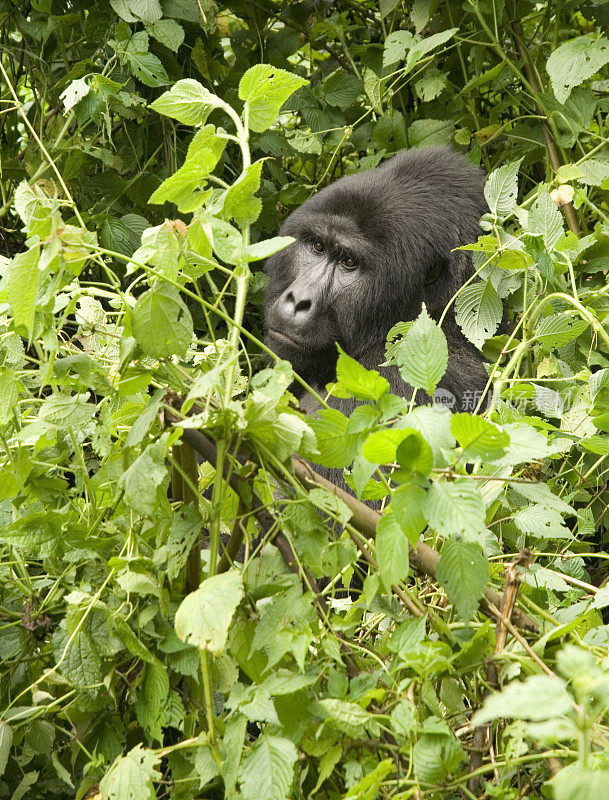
{"x": 280, "y": 335}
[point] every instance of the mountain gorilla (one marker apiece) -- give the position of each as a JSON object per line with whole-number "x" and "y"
{"x": 369, "y": 250}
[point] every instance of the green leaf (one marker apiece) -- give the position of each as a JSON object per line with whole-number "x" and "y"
{"x": 538, "y": 697}
{"x": 455, "y": 509}
{"x": 542, "y": 522}
{"x": 422, "y": 355}
{"x": 430, "y": 132}
{"x": 265, "y": 89}
{"x": 204, "y": 615}
{"x": 146, "y": 10}
{"x": 185, "y": 187}
{"x": 478, "y": 437}
{"x": 336, "y": 447}
{"x": 545, "y": 220}
{"x": 148, "y": 68}
{"x": 501, "y": 189}
{"x": 574, "y": 62}
{"x": 6, "y": 741}
{"x": 268, "y": 247}
{"x": 167, "y": 32}
{"x": 142, "y": 479}
{"x": 436, "y": 755}
{"x": 407, "y": 502}
{"x": 357, "y": 381}
{"x": 131, "y": 777}
{"x": 188, "y": 102}
{"x": 478, "y": 311}
{"x": 557, "y": 329}
{"x": 341, "y": 89}
{"x": 391, "y": 550}
{"x": 463, "y": 571}
{"x": 240, "y": 202}
{"x": 22, "y": 288}
{"x": 575, "y": 782}
{"x": 161, "y": 322}
{"x": 346, "y": 716}
{"x": 369, "y": 786}
{"x": 268, "y": 771}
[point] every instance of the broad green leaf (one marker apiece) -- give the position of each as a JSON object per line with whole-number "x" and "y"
{"x": 391, "y": 550}
{"x": 455, "y": 509}
{"x": 268, "y": 771}
{"x": 148, "y": 69}
{"x": 407, "y": 502}
{"x": 186, "y": 187}
{"x": 557, "y": 329}
{"x": 152, "y": 699}
{"x": 542, "y": 522}
{"x": 265, "y": 89}
{"x": 463, "y": 571}
{"x": 415, "y": 454}
{"x": 268, "y": 247}
{"x": 132, "y": 777}
{"x": 226, "y": 240}
{"x": 188, "y": 102}
{"x": 10, "y": 386}
{"x": 240, "y": 202}
{"x": 161, "y": 322}
{"x": 142, "y": 479}
{"x": 501, "y": 189}
{"x": 575, "y": 782}
{"x": 545, "y": 220}
{"x": 419, "y": 14}
{"x": 424, "y": 46}
{"x": 233, "y": 746}
{"x": 357, "y": 381}
{"x": 574, "y": 62}
{"x": 422, "y": 355}
{"x": 146, "y": 10}
{"x": 341, "y": 89}
{"x": 370, "y": 784}
{"x": 336, "y": 447}
{"x": 6, "y": 741}
{"x": 430, "y": 132}
{"x": 435, "y": 755}
{"x": 167, "y": 32}
{"x": 538, "y": 697}
{"x": 346, "y": 716}
{"x": 478, "y": 310}
{"x": 22, "y": 288}
{"x": 204, "y": 615}
{"x": 478, "y": 437}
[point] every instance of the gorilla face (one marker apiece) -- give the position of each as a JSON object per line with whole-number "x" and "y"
{"x": 369, "y": 250}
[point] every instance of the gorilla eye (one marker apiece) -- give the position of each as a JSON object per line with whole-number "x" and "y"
{"x": 319, "y": 247}
{"x": 349, "y": 262}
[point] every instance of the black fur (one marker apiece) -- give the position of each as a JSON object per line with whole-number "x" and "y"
{"x": 400, "y": 223}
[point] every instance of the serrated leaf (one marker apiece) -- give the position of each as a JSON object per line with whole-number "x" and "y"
{"x": 265, "y": 89}
{"x": 574, "y": 62}
{"x": 240, "y": 202}
{"x": 478, "y": 311}
{"x": 575, "y": 782}
{"x": 188, "y": 102}
{"x": 148, "y": 69}
{"x": 204, "y": 615}
{"x": 142, "y": 479}
{"x": 545, "y": 220}
{"x": 391, "y": 550}
{"x": 161, "y": 323}
{"x": 268, "y": 771}
{"x": 266, "y": 248}
{"x": 131, "y": 777}
{"x": 542, "y": 522}
{"x": 538, "y": 697}
{"x": 336, "y": 447}
{"x": 478, "y": 437}
{"x": 501, "y": 189}
{"x": 422, "y": 355}
{"x": 357, "y": 381}
{"x": 557, "y": 329}
{"x": 22, "y": 288}
{"x": 407, "y": 503}
{"x": 463, "y": 571}
{"x": 341, "y": 89}
{"x": 167, "y": 32}
{"x": 146, "y": 10}
{"x": 455, "y": 509}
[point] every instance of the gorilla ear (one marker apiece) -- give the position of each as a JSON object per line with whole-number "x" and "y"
{"x": 435, "y": 271}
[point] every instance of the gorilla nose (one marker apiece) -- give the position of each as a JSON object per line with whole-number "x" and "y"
{"x": 296, "y": 307}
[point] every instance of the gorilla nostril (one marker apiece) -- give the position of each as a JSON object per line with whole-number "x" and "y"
{"x": 302, "y": 305}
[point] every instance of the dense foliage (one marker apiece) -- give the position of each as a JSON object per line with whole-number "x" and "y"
{"x": 149, "y": 152}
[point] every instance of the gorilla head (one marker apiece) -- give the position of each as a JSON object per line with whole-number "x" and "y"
{"x": 369, "y": 250}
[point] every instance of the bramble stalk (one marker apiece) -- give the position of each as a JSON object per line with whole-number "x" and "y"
{"x": 242, "y": 277}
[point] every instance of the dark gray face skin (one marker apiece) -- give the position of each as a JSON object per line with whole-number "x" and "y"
{"x": 369, "y": 250}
